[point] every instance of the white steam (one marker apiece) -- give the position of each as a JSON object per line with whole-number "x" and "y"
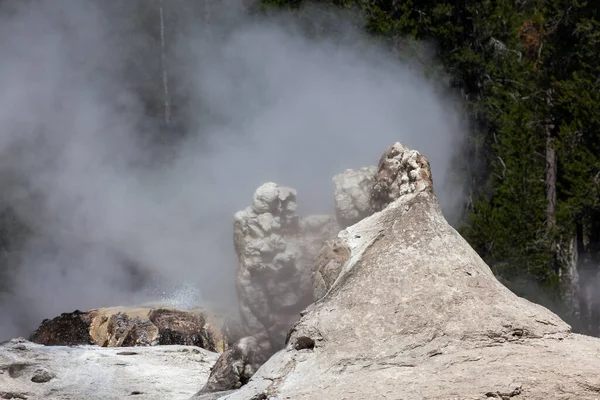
{"x": 74, "y": 159}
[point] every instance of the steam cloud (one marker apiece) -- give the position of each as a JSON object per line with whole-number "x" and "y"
{"x": 77, "y": 165}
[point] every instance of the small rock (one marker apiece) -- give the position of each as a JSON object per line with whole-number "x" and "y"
{"x": 234, "y": 368}
{"x": 304, "y": 342}
{"x": 42, "y": 376}
{"x": 13, "y": 395}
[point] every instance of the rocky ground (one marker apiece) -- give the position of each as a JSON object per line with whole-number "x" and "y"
{"x": 33, "y": 371}
{"x": 147, "y": 352}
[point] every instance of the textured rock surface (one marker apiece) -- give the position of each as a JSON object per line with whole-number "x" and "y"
{"x": 135, "y": 326}
{"x": 329, "y": 262}
{"x": 359, "y": 194}
{"x": 234, "y": 368}
{"x": 415, "y": 313}
{"x": 32, "y": 371}
{"x": 117, "y": 327}
{"x": 353, "y": 195}
{"x": 400, "y": 171}
{"x": 68, "y": 329}
{"x": 276, "y": 250}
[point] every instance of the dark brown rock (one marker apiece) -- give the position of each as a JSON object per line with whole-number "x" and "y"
{"x": 179, "y": 327}
{"x": 304, "y": 343}
{"x": 68, "y": 329}
{"x": 138, "y": 326}
{"x": 235, "y": 367}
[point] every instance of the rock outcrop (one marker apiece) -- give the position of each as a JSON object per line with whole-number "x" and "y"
{"x": 33, "y": 371}
{"x": 68, "y": 329}
{"x": 352, "y": 195}
{"x": 276, "y": 250}
{"x": 400, "y": 172}
{"x": 360, "y": 193}
{"x": 136, "y": 326}
{"x": 414, "y": 313}
{"x": 234, "y": 368}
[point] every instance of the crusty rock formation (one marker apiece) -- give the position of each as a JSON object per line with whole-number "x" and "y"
{"x": 135, "y": 326}
{"x": 234, "y": 368}
{"x": 275, "y": 249}
{"x": 352, "y": 195}
{"x": 117, "y": 328}
{"x": 68, "y": 329}
{"x": 415, "y": 313}
{"x": 359, "y": 194}
{"x": 33, "y": 371}
{"x": 400, "y": 171}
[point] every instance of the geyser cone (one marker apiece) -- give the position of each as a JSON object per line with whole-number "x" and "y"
{"x": 415, "y": 313}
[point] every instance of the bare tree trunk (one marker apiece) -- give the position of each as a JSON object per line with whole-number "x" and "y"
{"x": 550, "y": 175}
{"x": 565, "y": 253}
{"x": 164, "y": 66}
{"x": 550, "y": 182}
{"x": 594, "y": 267}
{"x": 551, "y": 188}
{"x": 584, "y": 274}
{"x": 568, "y": 259}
